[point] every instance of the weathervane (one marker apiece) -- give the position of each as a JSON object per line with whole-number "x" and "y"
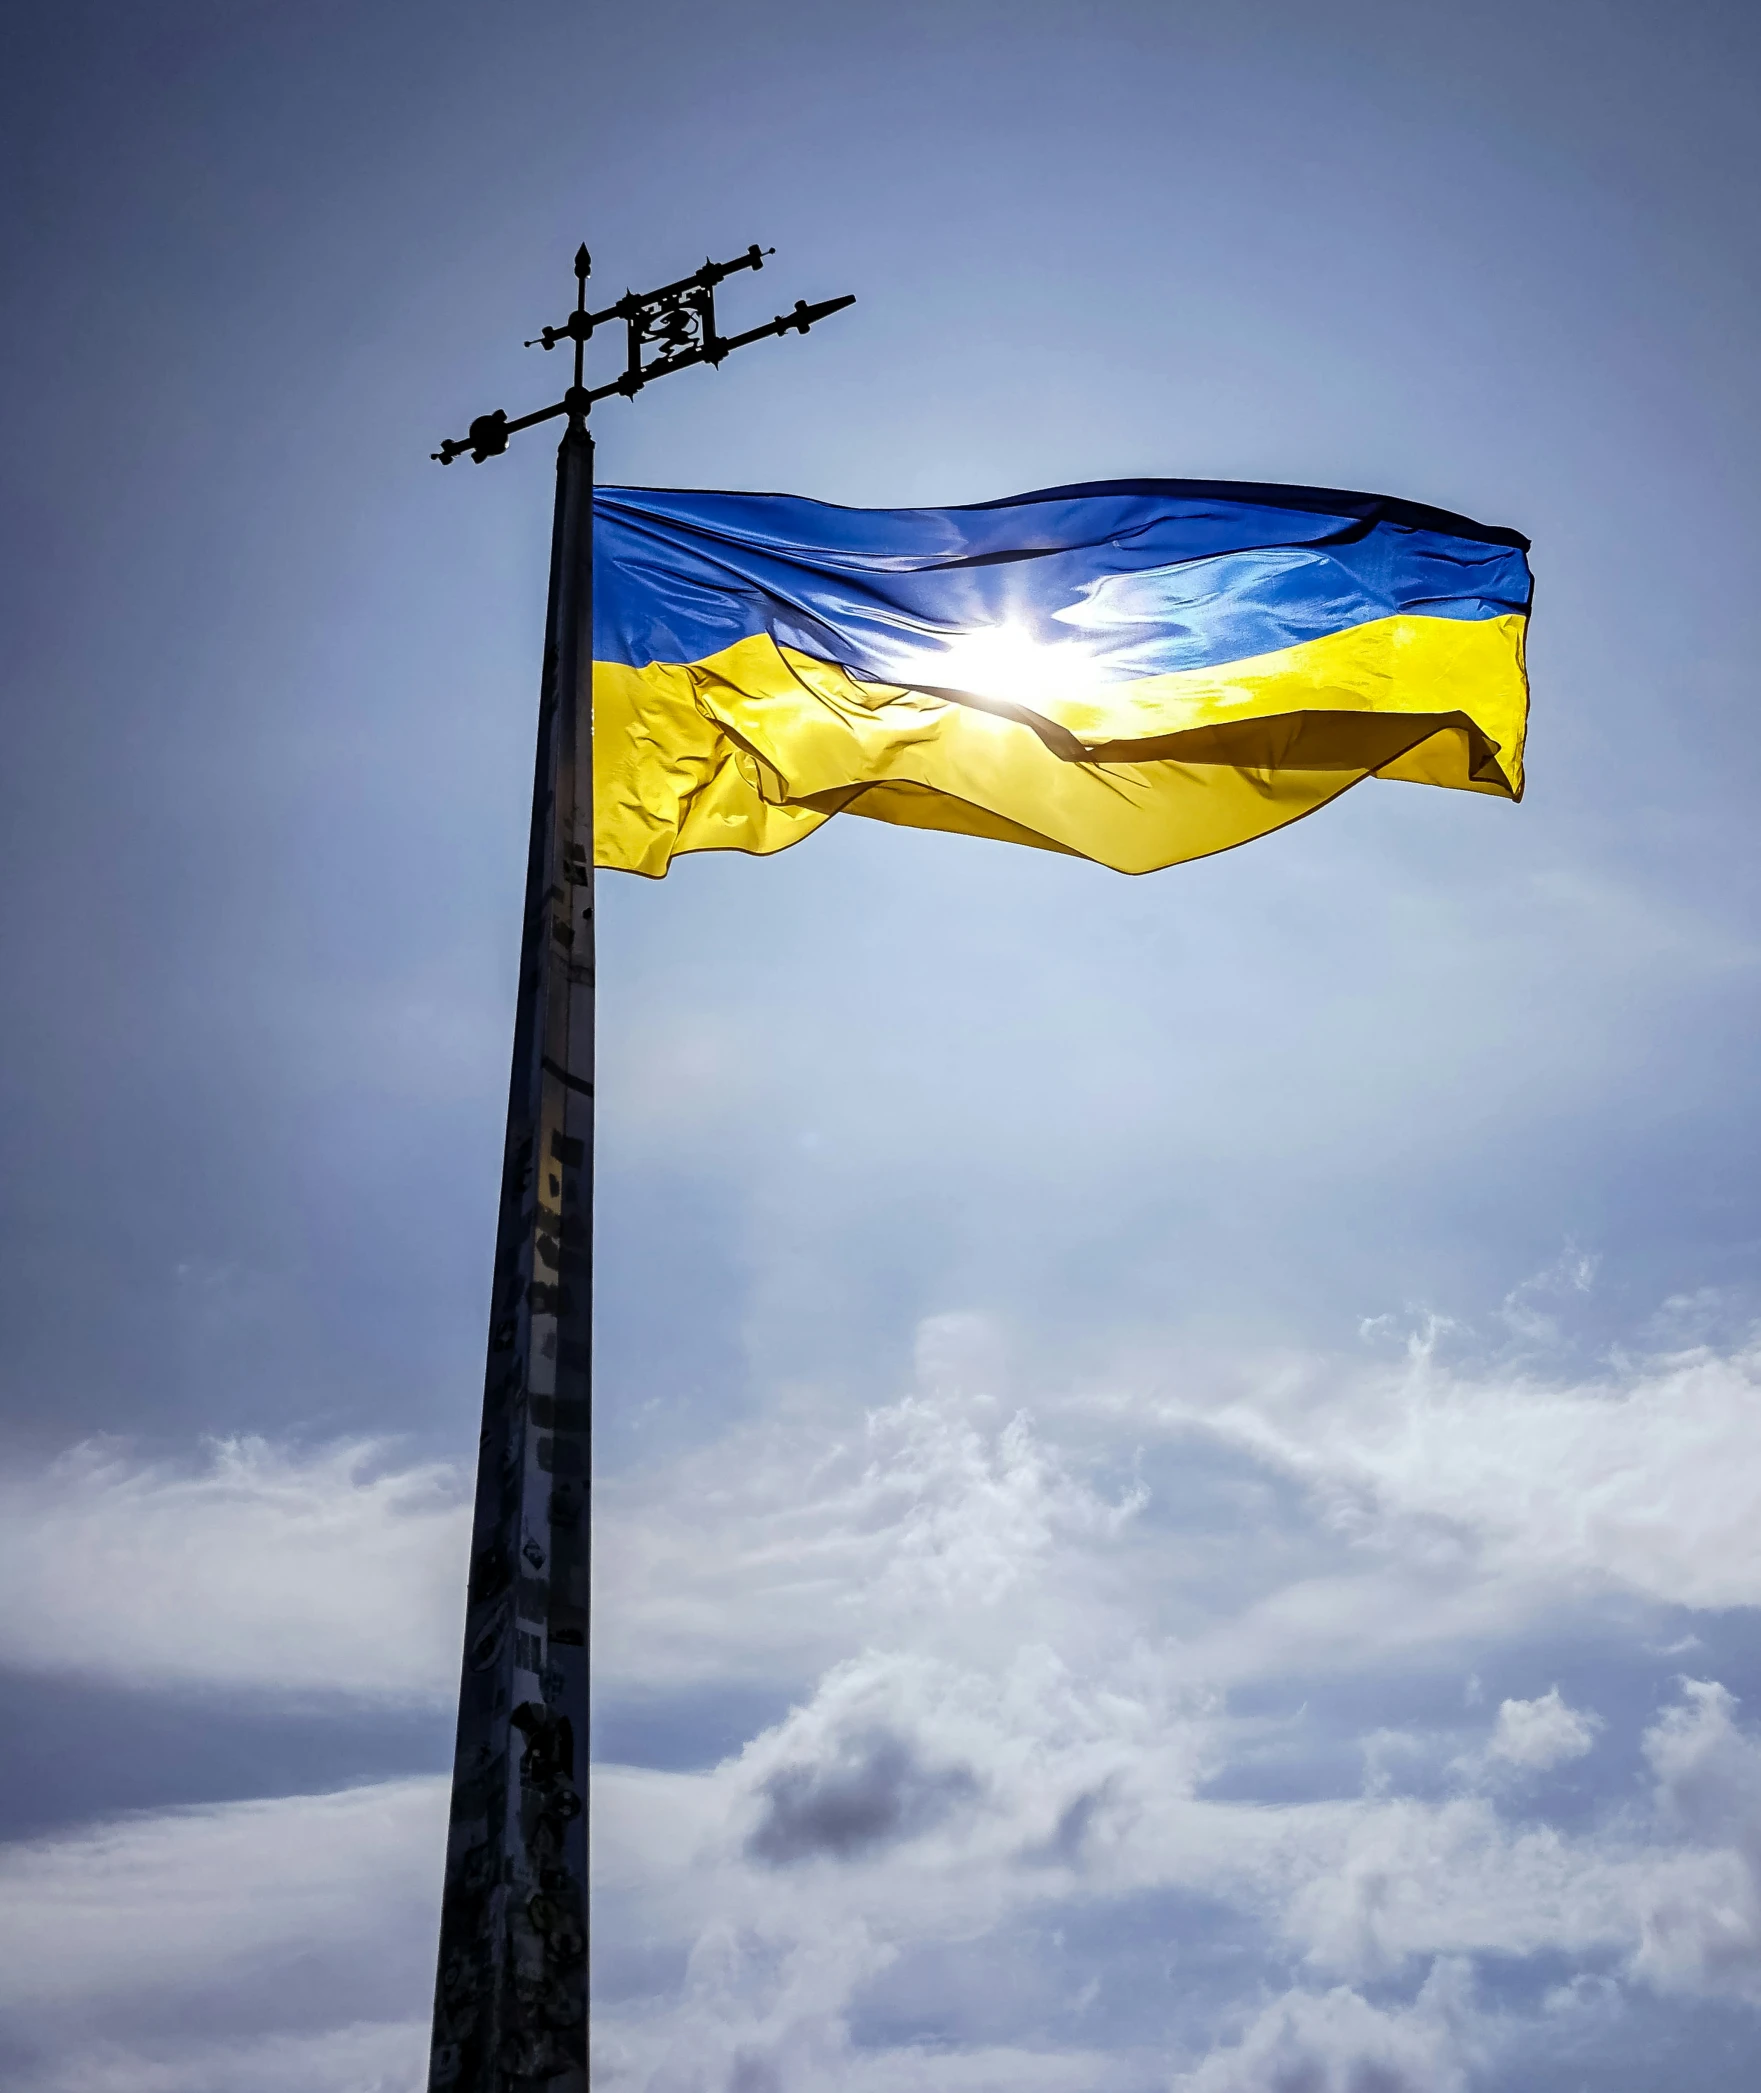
{"x": 678, "y": 321}
{"x": 510, "y": 2003}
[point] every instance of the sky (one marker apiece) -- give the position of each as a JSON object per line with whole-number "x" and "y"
{"x": 1176, "y": 1504}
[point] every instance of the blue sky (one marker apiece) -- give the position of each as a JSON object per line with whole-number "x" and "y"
{"x": 1176, "y": 1496}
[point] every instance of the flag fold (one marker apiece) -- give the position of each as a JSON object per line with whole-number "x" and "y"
{"x": 1138, "y": 672}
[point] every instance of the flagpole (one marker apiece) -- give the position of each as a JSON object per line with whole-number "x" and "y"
{"x": 510, "y": 2000}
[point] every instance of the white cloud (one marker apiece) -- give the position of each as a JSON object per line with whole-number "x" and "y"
{"x": 1440, "y": 1509}
{"x": 258, "y": 1566}
{"x": 1642, "y": 1481}
{"x": 280, "y": 1930}
{"x": 251, "y": 1948}
{"x": 1009, "y": 1663}
{"x": 1028, "y": 1797}
{"x": 1702, "y": 1914}
{"x": 945, "y": 1519}
{"x": 1007, "y": 1730}
{"x": 1363, "y": 1891}
{"x": 1525, "y": 1310}
{"x": 366, "y": 2057}
{"x": 1337, "y": 2042}
{"x": 1543, "y": 1733}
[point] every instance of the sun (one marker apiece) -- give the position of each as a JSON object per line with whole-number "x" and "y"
{"x": 1003, "y": 661}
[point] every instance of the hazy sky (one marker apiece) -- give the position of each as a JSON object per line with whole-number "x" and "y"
{"x": 1179, "y": 1499}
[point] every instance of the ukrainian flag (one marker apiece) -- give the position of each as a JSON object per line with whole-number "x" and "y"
{"x": 1138, "y": 671}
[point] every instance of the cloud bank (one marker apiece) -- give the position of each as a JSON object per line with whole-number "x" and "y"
{"x": 247, "y": 1949}
{"x": 258, "y": 1566}
{"x": 1039, "y": 1804}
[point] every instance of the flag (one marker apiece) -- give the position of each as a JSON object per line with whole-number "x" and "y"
{"x": 1138, "y": 672}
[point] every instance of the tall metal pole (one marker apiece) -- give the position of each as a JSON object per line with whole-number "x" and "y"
{"x": 510, "y": 2003}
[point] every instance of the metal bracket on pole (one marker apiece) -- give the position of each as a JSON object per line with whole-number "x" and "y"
{"x": 510, "y": 2005}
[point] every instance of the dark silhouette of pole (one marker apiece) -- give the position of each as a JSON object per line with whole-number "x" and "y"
{"x": 510, "y": 2008}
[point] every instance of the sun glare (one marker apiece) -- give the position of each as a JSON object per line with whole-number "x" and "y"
{"x": 1003, "y": 661}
